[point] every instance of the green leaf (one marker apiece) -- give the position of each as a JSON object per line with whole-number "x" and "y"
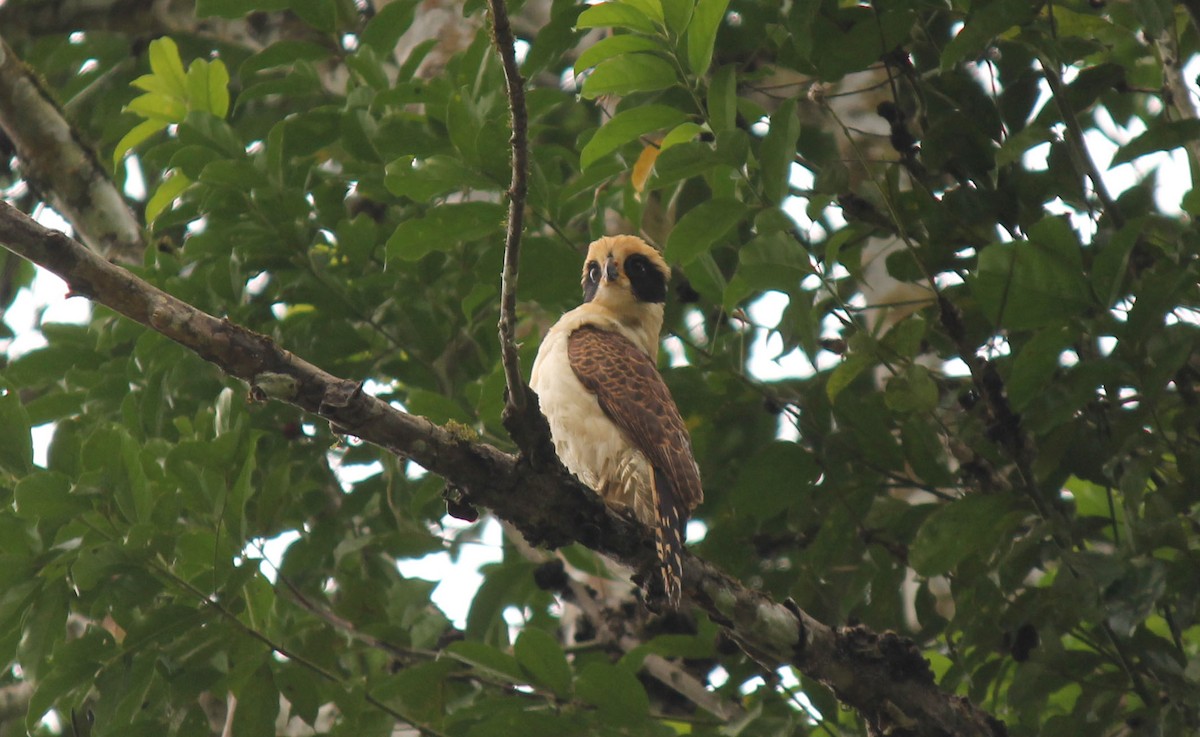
{"x": 37, "y": 367}
{"x": 923, "y": 450}
{"x": 677, "y": 14}
{"x": 1035, "y": 365}
{"x": 972, "y": 525}
{"x": 419, "y": 690}
{"x": 701, "y": 227}
{"x": 286, "y": 54}
{"x": 615, "y": 692}
{"x": 554, "y": 39}
{"x": 615, "y": 15}
{"x": 167, "y": 66}
{"x": 205, "y": 129}
{"x": 55, "y": 406}
{"x": 627, "y": 125}
{"x": 310, "y": 131}
{"x": 914, "y": 390}
{"x": 692, "y": 647}
{"x": 986, "y": 21}
{"x": 1155, "y": 15}
{"x": 682, "y": 133}
{"x": 208, "y": 87}
{"x": 357, "y": 238}
{"x": 426, "y": 179}
{"x": 846, "y": 372}
{"x": 16, "y": 443}
{"x": 138, "y": 489}
{"x": 1112, "y": 262}
{"x": 652, "y": 9}
{"x": 702, "y": 33}
{"x": 722, "y": 99}
{"x": 320, "y": 14}
{"x": 94, "y": 565}
{"x": 444, "y": 227}
{"x": 774, "y": 261}
{"x": 488, "y": 659}
{"x": 162, "y": 109}
{"x": 71, "y": 674}
{"x": 1135, "y": 596}
{"x": 138, "y": 134}
{"x": 542, "y": 657}
{"x": 779, "y": 151}
{"x": 622, "y": 75}
{"x": 1161, "y": 136}
{"x": 301, "y": 690}
{"x": 170, "y": 188}
{"x": 257, "y": 704}
{"x": 607, "y": 48}
{"x": 239, "y": 492}
{"x": 776, "y": 467}
{"x": 684, "y": 160}
{"x": 706, "y": 277}
{"x": 46, "y": 495}
{"x": 435, "y": 406}
{"x": 1015, "y": 146}
{"x": 1029, "y": 284}
{"x": 383, "y": 31}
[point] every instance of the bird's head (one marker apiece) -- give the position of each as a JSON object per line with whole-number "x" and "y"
{"x": 624, "y": 273}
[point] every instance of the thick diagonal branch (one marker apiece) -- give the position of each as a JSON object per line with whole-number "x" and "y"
{"x": 881, "y": 675}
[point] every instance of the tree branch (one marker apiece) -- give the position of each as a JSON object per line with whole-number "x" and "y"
{"x": 522, "y": 418}
{"x": 60, "y": 168}
{"x": 1179, "y": 95}
{"x": 881, "y": 675}
{"x": 1076, "y": 145}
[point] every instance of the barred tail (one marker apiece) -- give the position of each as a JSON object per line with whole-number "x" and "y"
{"x": 668, "y": 539}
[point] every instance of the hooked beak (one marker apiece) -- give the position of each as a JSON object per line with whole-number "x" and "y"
{"x": 610, "y": 270}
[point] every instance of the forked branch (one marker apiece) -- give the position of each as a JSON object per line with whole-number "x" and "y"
{"x": 881, "y": 675}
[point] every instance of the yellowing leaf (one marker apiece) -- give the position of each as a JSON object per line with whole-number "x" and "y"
{"x": 643, "y": 166}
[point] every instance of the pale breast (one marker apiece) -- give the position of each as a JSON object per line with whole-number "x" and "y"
{"x": 588, "y": 443}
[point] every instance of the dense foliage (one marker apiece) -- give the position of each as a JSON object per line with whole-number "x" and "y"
{"x": 1002, "y": 467}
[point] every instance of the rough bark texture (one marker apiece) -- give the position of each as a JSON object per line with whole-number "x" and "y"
{"x": 881, "y": 675}
{"x": 61, "y": 168}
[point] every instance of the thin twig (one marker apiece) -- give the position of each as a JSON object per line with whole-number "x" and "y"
{"x": 502, "y": 36}
{"x": 297, "y": 657}
{"x": 546, "y": 504}
{"x": 1076, "y": 146}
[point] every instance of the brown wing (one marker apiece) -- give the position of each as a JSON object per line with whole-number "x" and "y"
{"x": 632, "y": 393}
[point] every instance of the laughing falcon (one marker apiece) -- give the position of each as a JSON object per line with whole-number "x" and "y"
{"x": 611, "y": 417}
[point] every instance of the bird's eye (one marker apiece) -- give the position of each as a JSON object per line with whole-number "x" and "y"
{"x": 593, "y": 272}
{"x": 635, "y": 265}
